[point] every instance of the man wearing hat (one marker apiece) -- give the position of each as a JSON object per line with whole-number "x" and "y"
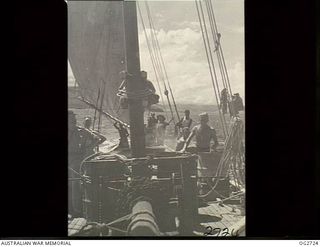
{"x": 204, "y": 134}
{"x": 237, "y": 104}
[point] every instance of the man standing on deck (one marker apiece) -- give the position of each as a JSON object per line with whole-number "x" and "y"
{"x": 76, "y": 154}
{"x": 182, "y": 140}
{"x": 204, "y": 134}
{"x": 123, "y": 133}
{"x": 150, "y": 130}
{"x": 153, "y": 120}
{"x": 184, "y": 122}
{"x": 224, "y": 101}
{"x": 91, "y": 142}
{"x": 161, "y": 130}
{"x": 237, "y": 104}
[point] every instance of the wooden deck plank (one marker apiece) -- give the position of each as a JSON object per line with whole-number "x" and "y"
{"x": 229, "y": 218}
{"x": 75, "y": 225}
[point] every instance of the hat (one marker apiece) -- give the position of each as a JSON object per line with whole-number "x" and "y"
{"x": 187, "y": 111}
{"x": 204, "y": 116}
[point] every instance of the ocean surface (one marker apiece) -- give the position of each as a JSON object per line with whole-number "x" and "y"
{"x": 108, "y": 130}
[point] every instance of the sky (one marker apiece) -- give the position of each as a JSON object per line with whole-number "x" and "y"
{"x": 180, "y": 39}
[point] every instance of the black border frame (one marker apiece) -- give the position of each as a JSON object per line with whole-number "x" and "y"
{"x": 281, "y": 122}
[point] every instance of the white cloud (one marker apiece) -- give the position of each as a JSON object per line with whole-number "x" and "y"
{"x": 187, "y": 67}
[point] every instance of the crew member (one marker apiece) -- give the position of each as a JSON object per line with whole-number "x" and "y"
{"x": 76, "y": 154}
{"x": 204, "y": 134}
{"x": 150, "y": 131}
{"x": 186, "y": 121}
{"x": 153, "y": 120}
{"x": 153, "y": 98}
{"x": 237, "y": 104}
{"x": 161, "y": 129}
{"x": 224, "y": 101}
{"x": 123, "y": 133}
{"x": 182, "y": 140}
{"x": 90, "y": 144}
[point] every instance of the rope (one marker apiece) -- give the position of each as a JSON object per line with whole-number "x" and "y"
{"x": 159, "y": 67}
{"x": 231, "y": 152}
{"x": 95, "y": 110}
{"x": 101, "y": 104}
{"x": 162, "y": 61}
{"x": 223, "y": 121}
{"x": 216, "y": 42}
{"x": 160, "y": 64}
{"x": 220, "y": 47}
{"x": 211, "y": 66}
{"x": 152, "y": 58}
{"x": 135, "y": 95}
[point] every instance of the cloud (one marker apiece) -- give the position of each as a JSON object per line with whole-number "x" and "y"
{"x": 187, "y": 67}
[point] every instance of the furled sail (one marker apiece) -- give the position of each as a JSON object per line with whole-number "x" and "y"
{"x": 96, "y": 51}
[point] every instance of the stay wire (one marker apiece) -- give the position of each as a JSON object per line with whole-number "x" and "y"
{"x": 152, "y": 58}
{"x": 220, "y": 48}
{"x": 223, "y": 120}
{"x": 163, "y": 64}
{"x": 216, "y": 41}
{"x": 209, "y": 64}
{"x": 158, "y": 64}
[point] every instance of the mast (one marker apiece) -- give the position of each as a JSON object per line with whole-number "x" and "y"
{"x": 134, "y": 85}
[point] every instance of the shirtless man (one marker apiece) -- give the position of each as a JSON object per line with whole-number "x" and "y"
{"x": 123, "y": 134}
{"x": 204, "y": 134}
{"x": 184, "y": 122}
{"x": 77, "y": 137}
{"x": 90, "y": 144}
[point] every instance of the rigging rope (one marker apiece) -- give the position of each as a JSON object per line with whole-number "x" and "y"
{"x": 95, "y": 110}
{"x": 233, "y": 150}
{"x": 158, "y": 62}
{"x": 216, "y": 38}
{"x": 210, "y": 64}
{"x": 223, "y": 120}
{"x": 101, "y": 105}
{"x": 158, "y": 65}
{"x": 152, "y": 58}
{"x": 162, "y": 61}
{"x": 219, "y": 46}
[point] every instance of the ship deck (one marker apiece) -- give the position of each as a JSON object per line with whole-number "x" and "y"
{"x": 220, "y": 220}
{"x": 214, "y": 220}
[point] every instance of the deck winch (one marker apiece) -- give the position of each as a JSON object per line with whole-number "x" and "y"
{"x": 111, "y": 191}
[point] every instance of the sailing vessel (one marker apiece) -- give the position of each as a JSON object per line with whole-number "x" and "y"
{"x": 140, "y": 190}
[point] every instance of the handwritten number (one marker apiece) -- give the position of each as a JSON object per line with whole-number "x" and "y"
{"x": 209, "y": 231}
{"x": 225, "y": 232}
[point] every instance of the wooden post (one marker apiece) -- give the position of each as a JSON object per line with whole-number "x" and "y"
{"x": 188, "y": 198}
{"x": 134, "y": 84}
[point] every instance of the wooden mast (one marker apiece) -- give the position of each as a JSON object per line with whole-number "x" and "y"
{"x": 134, "y": 85}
